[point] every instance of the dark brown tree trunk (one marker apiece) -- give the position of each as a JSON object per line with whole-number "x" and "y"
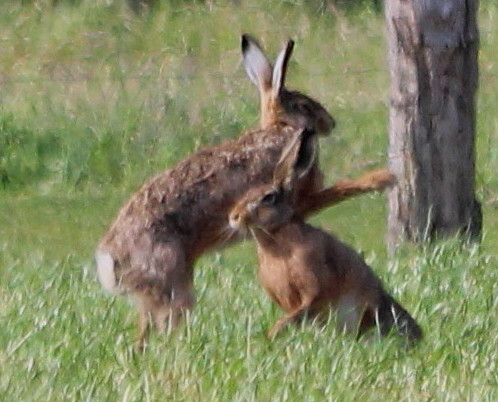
{"x": 433, "y": 48}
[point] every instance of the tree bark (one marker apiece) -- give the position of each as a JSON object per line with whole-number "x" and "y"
{"x": 433, "y": 50}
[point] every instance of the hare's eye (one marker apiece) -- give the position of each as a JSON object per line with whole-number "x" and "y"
{"x": 269, "y": 199}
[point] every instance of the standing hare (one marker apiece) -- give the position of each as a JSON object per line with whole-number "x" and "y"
{"x": 305, "y": 270}
{"x": 151, "y": 247}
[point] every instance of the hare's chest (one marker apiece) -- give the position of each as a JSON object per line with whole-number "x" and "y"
{"x": 278, "y": 279}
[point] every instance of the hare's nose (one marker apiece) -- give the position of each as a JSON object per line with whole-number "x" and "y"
{"x": 234, "y": 221}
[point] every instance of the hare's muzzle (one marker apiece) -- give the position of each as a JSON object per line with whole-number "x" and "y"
{"x": 234, "y": 220}
{"x": 238, "y": 222}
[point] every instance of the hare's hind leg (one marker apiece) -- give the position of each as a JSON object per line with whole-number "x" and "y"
{"x": 349, "y": 314}
{"x": 162, "y": 310}
{"x": 182, "y": 299}
{"x": 163, "y": 291}
{"x": 143, "y": 322}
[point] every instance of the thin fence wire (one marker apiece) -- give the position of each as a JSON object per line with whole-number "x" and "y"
{"x": 5, "y": 78}
{"x": 78, "y": 78}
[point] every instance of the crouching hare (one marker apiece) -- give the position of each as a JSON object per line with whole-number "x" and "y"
{"x": 305, "y": 270}
{"x": 151, "y": 247}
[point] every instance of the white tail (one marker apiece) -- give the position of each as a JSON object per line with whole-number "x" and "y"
{"x": 105, "y": 271}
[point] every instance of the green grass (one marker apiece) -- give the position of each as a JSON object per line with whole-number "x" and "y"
{"x": 95, "y": 100}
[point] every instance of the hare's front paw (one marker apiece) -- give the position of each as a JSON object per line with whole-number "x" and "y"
{"x": 276, "y": 328}
{"x": 377, "y": 180}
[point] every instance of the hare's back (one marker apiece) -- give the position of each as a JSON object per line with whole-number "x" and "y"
{"x": 199, "y": 189}
{"x": 350, "y": 266}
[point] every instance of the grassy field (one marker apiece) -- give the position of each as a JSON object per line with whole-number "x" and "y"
{"x": 94, "y": 100}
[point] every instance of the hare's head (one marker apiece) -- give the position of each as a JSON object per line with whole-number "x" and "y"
{"x": 278, "y": 104}
{"x": 271, "y": 206}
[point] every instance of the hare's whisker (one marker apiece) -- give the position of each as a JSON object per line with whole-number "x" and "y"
{"x": 266, "y": 233}
{"x": 228, "y": 234}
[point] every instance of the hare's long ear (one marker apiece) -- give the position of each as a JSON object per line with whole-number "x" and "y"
{"x": 257, "y": 66}
{"x": 280, "y": 68}
{"x": 296, "y": 160}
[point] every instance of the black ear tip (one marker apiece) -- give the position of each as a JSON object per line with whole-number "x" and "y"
{"x": 245, "y": 42}
{"x": 307, "y": 132}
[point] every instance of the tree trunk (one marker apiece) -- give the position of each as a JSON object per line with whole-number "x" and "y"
{"x": 433, "y": 47}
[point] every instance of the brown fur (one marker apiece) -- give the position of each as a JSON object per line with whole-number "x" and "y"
{"x": 151, "y": 247}
{"x": 306, "y": 270}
